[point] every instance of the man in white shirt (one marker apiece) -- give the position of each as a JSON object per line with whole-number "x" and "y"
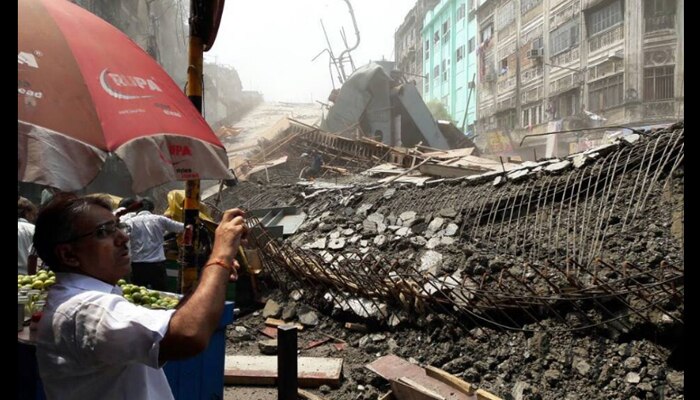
{"x": 147, "y": 254}
{"x": 26, "y": 214}
{"x": 91, "y": 342}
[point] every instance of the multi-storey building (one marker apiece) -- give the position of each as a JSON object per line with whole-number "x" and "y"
{"x": 552, "y": 65}
{"x": 449, "y": 59}
{"x": 408, "y": 45}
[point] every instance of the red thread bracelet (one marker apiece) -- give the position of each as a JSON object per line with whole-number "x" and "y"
{"x": 221, "y": 264}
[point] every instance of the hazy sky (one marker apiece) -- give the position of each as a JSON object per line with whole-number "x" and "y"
{"x": 271, "y": 42}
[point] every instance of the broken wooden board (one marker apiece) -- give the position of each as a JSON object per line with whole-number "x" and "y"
{"x": 279, "y": 322}
{"x": 393, "y": 368}
{"x": 262, "y": 370}
{"x": 407, "y": 389}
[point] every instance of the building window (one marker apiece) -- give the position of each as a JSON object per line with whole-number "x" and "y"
{"x": 605, "y": 18}
{"x": 605, "y": 93}
{"x": 503, "y": 66}
{"x": 505, "y": 16}
{"x": 658, "y": 83}
{"x": 564, "y": 105}
{"x": 436, "y": 37}
{"x": 445, "y": 70}
{"x": 445, "y": 31}
{"x": 564, "y": 38}
{"x": 436, "y": 71}
{"x": 506, "y": 120}
{"x": 532, "y": 116}
{"x": 460, "y": 52}
{"x": 460, "y": 12}
{"x": 427, "y": 49}
{"x": 486, "y": 33}
{"x": 659, "y": 14}
{"x": 527, "y": 5}
{"x": 427, "y": 83}
{"x": 472, "y": 45}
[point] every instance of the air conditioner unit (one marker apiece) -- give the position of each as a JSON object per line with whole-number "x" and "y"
{"x": 490, "y": 76}
{"x": 471, "y": 85}
{"x": 535, "y": 53}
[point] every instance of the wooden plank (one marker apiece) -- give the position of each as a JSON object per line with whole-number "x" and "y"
{"x": 388, "y": 396}
{"x": 482, "y": 394}
{"x": 392, "y": 368}
{"x": 404, "y": 391}
{"x": 279, "y": 322}
{"x": 308, "y": 395}
{"x": 421, "y": 389}
{"x": 446, "y": 377}
{"x": 262, "y": 370}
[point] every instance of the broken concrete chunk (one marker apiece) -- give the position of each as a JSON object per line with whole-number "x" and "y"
{"x": 519, "y": 174}
{"x": 308, "y": 318}
{"x": 289, "y": 312}
{"x": 430, "y": 261}
{"x": 369, "y": 227}
{"x": 558, "y": 166}
{"x": 388, "y": 193}
{"x": 435, "y": 224}
{"x": 325, "y": 227}
{"x": 418, "y": 241}
{"x": 450, "y": 230}
{"x": 318, "y": 244}
{"x": 377, "y": 218}
{"x": 407, "y": 215}
{"x": 632, "y": 377}
{"x": 381, "y": 228}
{"x": 403, "y": 231}
{"x": 433, "y": 243}
{"x": 583, "y": 368}
{"x": 394, "y": 321}
{"x": 334, "y": 235}
{"x": 272, "y": 309}
{"x": 363, "y": 209}
{"x": 448, "y": 212}
{"x": 354, "y": 239}
{"x": 364, "y": 242}
{"x": 498, "y": 181}
{"x": 268, "y": 347}
{"x": 336, "y": 244}
{"x": 379, "y": 240}
{"x": 364, "y": 340}
{"x": 348, "y": 232}
{"x": 446, "y": 241}
{"x": 633, "y": 363}
{"x": 377, "y": 337}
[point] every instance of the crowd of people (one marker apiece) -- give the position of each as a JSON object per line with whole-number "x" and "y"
{"x": 93, "y": 343}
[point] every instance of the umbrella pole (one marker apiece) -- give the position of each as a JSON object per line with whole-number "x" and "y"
{"x": 188, "y": 268}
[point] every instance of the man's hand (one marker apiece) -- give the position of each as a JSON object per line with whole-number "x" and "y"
{"x": 227, "y": 238}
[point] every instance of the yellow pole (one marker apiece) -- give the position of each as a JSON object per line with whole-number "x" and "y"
{"x": 188, "y": 256}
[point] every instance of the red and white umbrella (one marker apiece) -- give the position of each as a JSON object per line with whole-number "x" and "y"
{"x": 86, "y": 90}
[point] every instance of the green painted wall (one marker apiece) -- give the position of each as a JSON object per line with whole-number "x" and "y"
{"x": 450, "y": 56}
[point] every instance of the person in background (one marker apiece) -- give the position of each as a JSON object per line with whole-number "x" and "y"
{"x": 26, "y": 257}
{"x": 148, "y": 267}
{"x": 91, "y": 342}
{"x": 127, "y": 208}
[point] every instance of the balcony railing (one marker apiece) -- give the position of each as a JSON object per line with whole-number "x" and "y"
{"x": 606, "y": 38}
{"x": 659, "y": 22}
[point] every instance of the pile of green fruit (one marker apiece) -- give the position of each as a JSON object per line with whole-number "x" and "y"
{"x": 147, "y": 298}
{"x": 42, "y": 280}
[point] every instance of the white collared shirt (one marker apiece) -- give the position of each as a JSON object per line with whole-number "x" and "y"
{"x": 25, "y": 237}
{"x": 93, "y": 344}
{"x": 147, "y": 231}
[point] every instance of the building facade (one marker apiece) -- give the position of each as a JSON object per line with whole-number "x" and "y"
{"x": 449, "y": 60}
{"x": 408, "y": 44}
{"x": 552, "y": 65}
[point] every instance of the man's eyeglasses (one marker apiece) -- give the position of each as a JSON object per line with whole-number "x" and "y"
{"x": 105, "y": 230}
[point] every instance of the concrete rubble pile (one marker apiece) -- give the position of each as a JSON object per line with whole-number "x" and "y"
{"x": 528, "y": 261}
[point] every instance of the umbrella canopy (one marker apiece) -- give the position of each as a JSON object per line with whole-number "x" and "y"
{"x": 86, "y": 90}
